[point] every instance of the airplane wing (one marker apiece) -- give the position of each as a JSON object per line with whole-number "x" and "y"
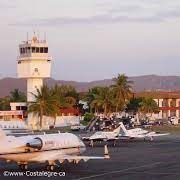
{"x": 151, "y": 134}
{"x": 79, "y": 158}
{"x": 101, "y": 137}
{"x": 53, "y": 156}
{"x": 105, "y": 138}
{"x": 131, "y": 137}
{"x": 154, "y": 134}
{"x": 94, "y": 138}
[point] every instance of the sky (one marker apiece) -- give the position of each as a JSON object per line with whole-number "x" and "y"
{"x": 95, "y": 39}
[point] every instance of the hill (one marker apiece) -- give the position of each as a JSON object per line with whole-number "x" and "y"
{"x": 141, "y": 83}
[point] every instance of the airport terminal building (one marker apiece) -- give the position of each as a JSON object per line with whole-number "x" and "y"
{"x": 18, "y": 112}
{"x": 168, "y": 102}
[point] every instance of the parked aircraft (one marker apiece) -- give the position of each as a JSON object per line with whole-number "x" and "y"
{"x": 138, "y": 133}
{"x": 44, "y": 148}
{"x": 15, "y": 127}
{"x": 103, "y": 136}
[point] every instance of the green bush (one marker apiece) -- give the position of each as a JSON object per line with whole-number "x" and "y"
{"x": 88, "y": 117}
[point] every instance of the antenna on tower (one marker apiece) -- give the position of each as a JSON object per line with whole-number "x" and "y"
{"x": 38, "y": 36}
{"x": 27, "y": 36}
{"x": 45, "y": 36}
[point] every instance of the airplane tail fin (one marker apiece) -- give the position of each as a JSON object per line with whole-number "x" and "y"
{"x": 117, "y": 130}
{"x": 2, "y": 134}
{"x": 123, "y": 130}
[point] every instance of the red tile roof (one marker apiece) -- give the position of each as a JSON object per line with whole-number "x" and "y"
{"x": 159, "y": 94}
{"x": 73, "y": 111}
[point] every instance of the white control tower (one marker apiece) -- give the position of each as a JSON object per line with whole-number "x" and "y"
{"x": 34, "y": 64}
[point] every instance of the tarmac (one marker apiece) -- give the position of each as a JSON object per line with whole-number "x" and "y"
{"x": 129, "y": 160}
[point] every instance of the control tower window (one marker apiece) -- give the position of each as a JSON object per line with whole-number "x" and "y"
{"x": 41, "y": 49}
{"x": 46, "y": 50}
{"x": 33, "y": 50}
{"x": 28, "y": 50}
{"x": 37, "y": 49}
{"x": 23, "y": 50}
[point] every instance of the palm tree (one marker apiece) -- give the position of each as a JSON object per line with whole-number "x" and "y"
{"x": 103, "y": 99}
{"x": 66, "y": 95}
{"x": 46, "y": 104}
{"x": 95, "y": 104}
{"x": 71, "y": 92}
{"x": 148, "y": 106}
{"x": 17, "y": 96}
{"x": 5, "y": 103}
{"x": 70, "y": 101}
{"x": 91, "y": 99}
{"x": 122, "y": 90}
{"x": 106, "y": 97}
{"x": 134, "y": 104}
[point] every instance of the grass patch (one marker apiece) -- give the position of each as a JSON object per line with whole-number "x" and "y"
{"x": 173, "y": 129}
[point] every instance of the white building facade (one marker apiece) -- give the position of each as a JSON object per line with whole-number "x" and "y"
{"x": 34, "y": 64}
{"x": 168, "y": 102}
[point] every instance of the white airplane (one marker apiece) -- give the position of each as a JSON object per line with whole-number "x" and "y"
{"x": 137, "y": 133}
{"x": 103, "y": 136}
{"x": 15, "y": 127}
{"x": 44, "y": 148}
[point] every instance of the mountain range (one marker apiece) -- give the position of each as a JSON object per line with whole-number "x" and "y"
{"x": 140, "y": 83}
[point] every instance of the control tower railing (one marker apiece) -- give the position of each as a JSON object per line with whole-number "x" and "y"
{"x": 30, "y": 57}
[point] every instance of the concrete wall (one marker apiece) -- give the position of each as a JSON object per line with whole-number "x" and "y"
{"x": 61, "y": 121}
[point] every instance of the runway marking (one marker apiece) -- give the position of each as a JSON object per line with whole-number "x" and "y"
{"x": 154, "y": 173}
{"x": 120, "y": 171}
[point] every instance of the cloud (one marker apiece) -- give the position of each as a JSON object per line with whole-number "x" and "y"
{"x": 115, "y": 12}
{"x": 100, "y": 19}
{"x": 127, "y": 8}
{"x": 7, "y": 4}
{"x": 173, "y": 13}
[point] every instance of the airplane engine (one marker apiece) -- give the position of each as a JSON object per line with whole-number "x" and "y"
{"x": 42, "y": 143}
{"x": 56, "y": 141}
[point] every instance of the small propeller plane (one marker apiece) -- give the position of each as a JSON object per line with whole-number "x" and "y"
{"x": 103, "y": 136}
{"x": 47, "y": 148}
{"x": 138, "y": 133}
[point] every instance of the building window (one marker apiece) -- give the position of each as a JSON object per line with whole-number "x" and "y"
{"x": 23, "y": 50}
{"x": 33, "y": 50}
{"x": 28, "y": 50}
{"x": 36, "y": 70}
{"x": 41, "y": 49}
{"x": 164, "y": 103}
{"x": 24, "y": 108}
{"x": 18, "y": 108}
{"x": 37, "y": 49}
{"x": 172, "y": 113}
{"x": 173, "y": 103}
{"x": 46, "y": 50}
